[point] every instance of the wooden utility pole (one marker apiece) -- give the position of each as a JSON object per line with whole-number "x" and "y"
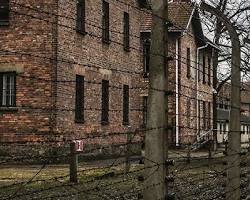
{"x": 128, "y": 150}
{"x": 73, "y": 163}
{"x": 156, "y": 135}
{"x": 234, "y": 136}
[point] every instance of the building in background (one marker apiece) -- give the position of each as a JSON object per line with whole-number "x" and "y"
{"x": 223, "y": 113}
{"x": 190, "y": 72}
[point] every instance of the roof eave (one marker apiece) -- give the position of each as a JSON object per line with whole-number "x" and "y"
{"x": 213, "y": 45}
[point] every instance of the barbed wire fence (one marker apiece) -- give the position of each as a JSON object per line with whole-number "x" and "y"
{"x": 193, "y": 175}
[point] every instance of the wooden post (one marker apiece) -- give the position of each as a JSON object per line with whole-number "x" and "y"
{"x": 73, "y": 163}
{"x": 128, "y": 151}
{"x": 189, "y": 153}
{"x": 156, "y": 135}
{"x": 226, "y": 147}
{"x": 210, "y": 145}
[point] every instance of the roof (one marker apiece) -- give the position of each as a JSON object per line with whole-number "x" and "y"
{"x": 223, "y": 115}
{"x": 245, "y": 93}
{"x": 179, "y": 14}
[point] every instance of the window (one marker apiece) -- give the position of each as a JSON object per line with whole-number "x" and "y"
{"x": 105, "y": 22}
{"x": 221, "y": 105}
{"x": 199, "y": 115}
{"x": 125, "y": 105}
{"x": 188, "y": 63}
{"x": 209, "y": 116}
{"x": 145, "y": 110}
{"x": 80, "y": 21}
{"x": 227, "y": 103}
{"x": 4, "y": 12}
{"x": 188, "y": 111}
{"x": 221, "y": 125}
{"x": 79, "y": 99}
{"x": 105, "y": 102}
{"x": 204, "y": 69}
{"x": 146, "y": 57}
{"x": 199, "y": 68}
{"x": 8, "y": 89}
{"x": 204, "y": 114}
{"x": 209, "y": 71}
{"x": 126, "y": 31}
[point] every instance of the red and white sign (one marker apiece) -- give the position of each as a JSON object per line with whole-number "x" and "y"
{"x": 79, "y": 145}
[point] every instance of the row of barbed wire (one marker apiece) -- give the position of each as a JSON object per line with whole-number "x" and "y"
{"x": 201, "y": 178}
{"x": 197, "y": 176}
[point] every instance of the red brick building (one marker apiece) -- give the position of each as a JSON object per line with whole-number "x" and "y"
{"x": 223, "y": 113}
{"x": 190, "y": 72}
{"x": 67, "y": 68}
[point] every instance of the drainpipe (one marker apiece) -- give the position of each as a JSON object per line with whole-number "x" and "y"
{"x": 197, "y": 84}
{"x": 177, "y": 93}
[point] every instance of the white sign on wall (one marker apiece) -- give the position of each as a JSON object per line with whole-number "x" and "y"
{"x": 79, "y": 145}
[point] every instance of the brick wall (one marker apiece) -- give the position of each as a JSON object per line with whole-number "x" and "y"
{"x": 49, "y": 48}
{"x": 24, "y": 44}
{"x": 90, "y": 57}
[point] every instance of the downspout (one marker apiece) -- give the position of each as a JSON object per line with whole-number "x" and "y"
{"x": 197, "y": 85}
{"x": 177, "y": 93}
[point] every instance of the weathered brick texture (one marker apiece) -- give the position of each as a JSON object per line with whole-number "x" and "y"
{"x": 42, "y": 34}
{"x": 27, "y": 43}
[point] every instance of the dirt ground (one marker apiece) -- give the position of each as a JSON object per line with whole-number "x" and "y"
{"x": 202, "y": 178}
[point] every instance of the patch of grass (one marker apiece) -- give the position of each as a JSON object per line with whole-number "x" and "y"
{"x": 196, "y": 180}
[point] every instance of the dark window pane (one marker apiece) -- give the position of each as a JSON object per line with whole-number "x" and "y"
{"x": 4, "y": 12}
{"x": 105, "y": 22}
{"x": 126, "y": 31}
{"x": 145, "y": 110}
{"x": 188, "y": 63}
{"x": 80, "y": 21}
{"x": 204, "y": 69}
{"x": 188, "y": 110}
{"x": 125, "y": 104}
{"x": 146, "y": 56}
{"x": 204, "y": 114}
{"x": 209, "y": 71}
{"x": 105, "y": 102}
{"x": 8, "y": 89}
{"x": 209, "y": 115}
{"x": 79, "y": 107}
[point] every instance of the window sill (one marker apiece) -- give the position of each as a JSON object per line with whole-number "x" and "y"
{"x": 8, "y": 109}
{"x": 126, "y": 49}
{"x": 104, "y": 123}
{"x": 78, "y": 121}
{"x": 3, "y": 23}
{"x": 81, "y": 32}
{"x": 125, "y": 123}
{"x": 106, "y": 41}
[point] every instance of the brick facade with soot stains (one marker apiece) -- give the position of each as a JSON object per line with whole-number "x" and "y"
{"x": 41, "y": 44}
